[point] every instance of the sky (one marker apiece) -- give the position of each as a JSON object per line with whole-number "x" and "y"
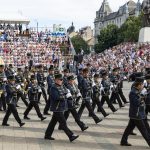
{"x": 49, "y": 12}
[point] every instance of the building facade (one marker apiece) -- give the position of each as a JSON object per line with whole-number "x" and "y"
{"x": 105, "y": 16}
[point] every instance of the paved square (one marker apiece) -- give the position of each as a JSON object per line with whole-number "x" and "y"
{"x": 104, "y": 136}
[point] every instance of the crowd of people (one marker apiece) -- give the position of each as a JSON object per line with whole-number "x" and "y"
{"x": 39, "y": 48}
{"x": 130, "y": 57}
{"x": 88, "y": 81}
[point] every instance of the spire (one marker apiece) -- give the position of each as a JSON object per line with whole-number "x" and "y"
{"x": 138, "y": 8}
{"x": 105, "y": 9}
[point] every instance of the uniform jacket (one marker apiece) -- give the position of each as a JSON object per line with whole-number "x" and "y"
{"x": 33, "y": 92}
{"x": 137, "y": 107}
{"x": 11, "y": 94}
{"x": 50, "y": 82}
{"x": 58, "y": 99}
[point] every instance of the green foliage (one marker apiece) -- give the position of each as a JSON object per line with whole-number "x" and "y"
{"x": 112, "y": 35}
{"x": 79, "y": 43}
{"x": 129, "y": 31}
{"x": 108, "y": 37}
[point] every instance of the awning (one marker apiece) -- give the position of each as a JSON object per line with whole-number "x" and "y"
{"x": 13, "y": 18}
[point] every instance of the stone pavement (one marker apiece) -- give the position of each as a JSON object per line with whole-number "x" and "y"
{"x": 104, "y": 136}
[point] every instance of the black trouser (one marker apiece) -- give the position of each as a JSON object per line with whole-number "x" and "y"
{"x": 147, "y": 110}
{"x": 142, "y": 125}
{"x": 77, "y": 100}
{"x": 3, "y": 101}
{"x": 89, "y": 108}
{"x": 120, "y": 92}
{"x": 110, "y": 105}
{"x": 11, "y": 109}
{"x": 43, "y": 93}
{"x": 58, "y": 117}
{"x": 115, "y": 96}
{"x": 37, "y": 109}
{"x": 22, "y": 96}
{"x": 99, "y": 105}
{"x": 47, "y": 106}
{"x": 75, "y": 116}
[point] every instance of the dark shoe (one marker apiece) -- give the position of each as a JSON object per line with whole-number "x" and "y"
{"x": 84, "y": 128}
{"x": 43, "y": 118}
{"x": 17, "y": 106}
{"x": 115, "y": 110}
{"x": 27, "y": 118}
{"x": 125, "y": 144}
{"x": 46, "y": 113}
{"x": 5, "y": 124}
{"x": 22, "y": 124}
{"x": 49, "y": 138}
{"x": 73, "y": 137}
{"x": 127, "y": 102}
{"x": 132, "y": 133}
{"x": 122, "y": 106}
{"x": 106, "y": 115}
{"x": 98, "y": 121}
{"x": 98, "y": 110}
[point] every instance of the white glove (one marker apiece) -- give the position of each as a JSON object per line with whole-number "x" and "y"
{"x": 18, "y": 87}
{"x": 102, "y": 89}
{"x": 5, "y": 79}
{"x": 15, "y": 74}
{"x": 145, "y": 83}
{"x": 79, "y": 94}
{"x": 22, "y": 84}
{"x": 68, "y": 91}
{"x": 111, "y": 87}
{"x": 93, "y": 84}
{"x": 68, "y": 95}
{"x": 44, "y": 83}
{"x": 144, "y": 92}
{"x": 39, "y": 90}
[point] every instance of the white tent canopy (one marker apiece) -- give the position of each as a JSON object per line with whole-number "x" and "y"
{"x": 13, "y": 18}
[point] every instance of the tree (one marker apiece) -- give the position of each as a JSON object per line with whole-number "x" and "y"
{"x": 79, "y": 43}
{"x": 129, "y": 31}
{"x": 112, "y": 35}
{"x": 108, "y": 38}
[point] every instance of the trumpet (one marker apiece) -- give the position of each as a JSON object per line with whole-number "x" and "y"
{"x": 1, "y": 92}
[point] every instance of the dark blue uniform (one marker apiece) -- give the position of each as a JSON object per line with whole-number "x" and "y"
{"x": 86, "y": 94}
{"x": 20, "y": 80}
{"x": 105, "y": 94}
{"x": 96, "y": 99}
{"x": 50, "y": 82}
{"x": 11, "y": 100}
{"x": 58, "y": 107}
{"x": 72, "y": 106}
{"x": 147, "y": 101}
{"x": 115, "y": 94}
{"x": 120, "y": 86}
{"x": 137, "y": 117}
{"x": 33, "y": 98}
{"x": 2, "y": 91}
{"x": 41, "y": 81}
{"x": 80, "y": 78}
